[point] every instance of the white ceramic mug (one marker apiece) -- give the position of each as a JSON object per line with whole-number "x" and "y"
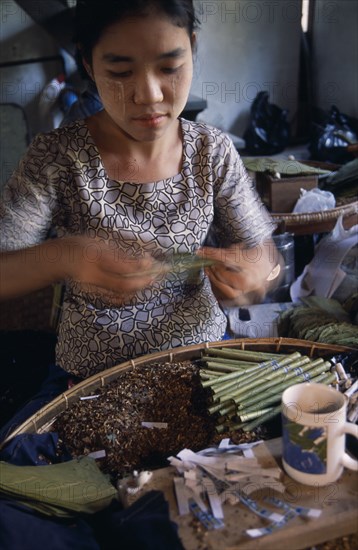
{"x": 313, "y": 433}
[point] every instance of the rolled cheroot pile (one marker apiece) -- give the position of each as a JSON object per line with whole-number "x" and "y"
{"x": 246, "y": 386}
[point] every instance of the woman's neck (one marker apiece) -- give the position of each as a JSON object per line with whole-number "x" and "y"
{"x": 124, "y": 158}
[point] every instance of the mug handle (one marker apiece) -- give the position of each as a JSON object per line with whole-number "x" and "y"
{"x": 348, "y": 461}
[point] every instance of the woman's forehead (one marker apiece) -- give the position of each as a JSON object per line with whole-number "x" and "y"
{"x": 131, "y": 34}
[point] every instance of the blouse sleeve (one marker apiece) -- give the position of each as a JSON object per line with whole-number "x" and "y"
{"x": 28, "y": 199}
{"x": 239, "y": 214}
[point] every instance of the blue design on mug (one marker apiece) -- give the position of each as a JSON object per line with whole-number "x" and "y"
{"x": 304, "y": 447}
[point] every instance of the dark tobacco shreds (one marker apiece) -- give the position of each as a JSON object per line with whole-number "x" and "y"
{"x": 169, "y": 392}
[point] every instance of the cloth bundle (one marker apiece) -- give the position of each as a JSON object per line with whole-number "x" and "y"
{"x": 88, "y": 518}
{"x": 76, "y": 486}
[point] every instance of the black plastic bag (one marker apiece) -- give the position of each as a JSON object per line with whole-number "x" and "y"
{"x": 330, "y": 139}
{"x": 268, "y": 132}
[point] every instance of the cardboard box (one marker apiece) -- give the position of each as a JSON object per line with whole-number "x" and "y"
{"x": 281, "y": 195}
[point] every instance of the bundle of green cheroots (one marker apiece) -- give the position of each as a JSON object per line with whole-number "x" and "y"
{"x": 246, "y": 386}
{"x": 320, "y": 320}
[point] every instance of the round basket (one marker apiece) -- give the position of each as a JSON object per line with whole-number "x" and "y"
{"x": 41, "y": 421}
{"x": 317, "y": 222}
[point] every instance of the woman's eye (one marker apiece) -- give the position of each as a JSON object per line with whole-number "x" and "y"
{"x": 123, "y": 74}
{"x": 170, "y": 70}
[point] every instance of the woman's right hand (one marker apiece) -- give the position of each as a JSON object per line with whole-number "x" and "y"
{"x": 92, "y": 265}
{"x": 101, "y": 267}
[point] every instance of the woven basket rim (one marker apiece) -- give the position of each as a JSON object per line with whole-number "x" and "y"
{"x": 42, "y": 420}
{"x": 318, "y": 217}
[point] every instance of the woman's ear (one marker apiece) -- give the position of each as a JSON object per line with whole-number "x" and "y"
{"x": 193, "y": 41}
{"x": 88, "y": 67}
{"x": 81, "y": 60}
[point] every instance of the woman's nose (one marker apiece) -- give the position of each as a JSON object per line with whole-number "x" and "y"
{"x": 147, "y": 90}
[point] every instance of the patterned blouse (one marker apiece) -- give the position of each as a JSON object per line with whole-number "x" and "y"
{"x": 61, "y": 184}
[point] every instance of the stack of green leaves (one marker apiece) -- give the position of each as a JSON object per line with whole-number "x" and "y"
{"x": 284, "y": 167}
{"x": 319, "y": 320}
{"x": 343, "y": 182}
{"x": 62, "y": 490}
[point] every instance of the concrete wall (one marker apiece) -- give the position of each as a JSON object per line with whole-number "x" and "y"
{"x": 29, "y": 59}
{"x": 244, "y": 47}
{"x": 335, "y": 55}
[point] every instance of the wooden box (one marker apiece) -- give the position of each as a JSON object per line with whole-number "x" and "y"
{"x": 281, "y": 195}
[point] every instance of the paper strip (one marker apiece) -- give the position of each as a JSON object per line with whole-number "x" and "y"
{"x": 182, "y": 496}
{"x": 248, "y": 453}
{"x": 300, "y": 510}
{"x": 205, "y": 518}
{"x": 214, "y": 499}
{"x": 89, "y": 397}
{"x": 254, "y": 533}
{"x": 97, "y": 454}
{"x": 159, "y": 425}
{"x": 259, "y": 510}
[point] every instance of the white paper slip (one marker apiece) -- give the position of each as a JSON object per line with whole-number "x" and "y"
{"x": 182, "y": 496}
{"x": 159, "y": 425}
{"x": 214, "y": 499}
{"x": 97, "y": 454}
{"x": 89, "y": 397}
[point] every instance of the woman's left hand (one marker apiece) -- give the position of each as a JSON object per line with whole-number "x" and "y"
{"x": 242, "y": 276}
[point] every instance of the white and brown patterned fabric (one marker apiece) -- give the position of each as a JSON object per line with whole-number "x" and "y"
{"x": 62, "y": 184}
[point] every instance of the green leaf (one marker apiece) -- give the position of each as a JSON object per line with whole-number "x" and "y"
{"x": 281, "y": 166}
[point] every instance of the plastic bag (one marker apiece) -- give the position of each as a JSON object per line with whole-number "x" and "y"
{"x": 332, "y": 271}
{"x": 314, "y": 200}
{"x": 268, "y": 132}
{"x": 331, "y": 139}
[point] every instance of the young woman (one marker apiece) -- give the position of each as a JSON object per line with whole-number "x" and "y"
{"x": 129, "y": 189}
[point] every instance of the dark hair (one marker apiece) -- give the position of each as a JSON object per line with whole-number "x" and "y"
{"x": 92, "y": 17}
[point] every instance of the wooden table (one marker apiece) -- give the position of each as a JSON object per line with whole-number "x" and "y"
{"x": 338, "y": 501}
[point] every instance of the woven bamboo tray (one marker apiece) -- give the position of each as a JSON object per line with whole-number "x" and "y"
{"x": 41, "y": 421}
{"x": 338, "y": 519}
{"x": 317, "y": 222}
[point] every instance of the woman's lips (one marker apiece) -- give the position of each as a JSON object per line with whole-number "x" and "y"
{"x": 151, "y": 120}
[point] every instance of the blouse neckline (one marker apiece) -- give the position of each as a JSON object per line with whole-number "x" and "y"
{"x": 161, "y": 182}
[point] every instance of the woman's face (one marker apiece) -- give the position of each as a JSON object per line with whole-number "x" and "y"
{"x": 143, "y": 68}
